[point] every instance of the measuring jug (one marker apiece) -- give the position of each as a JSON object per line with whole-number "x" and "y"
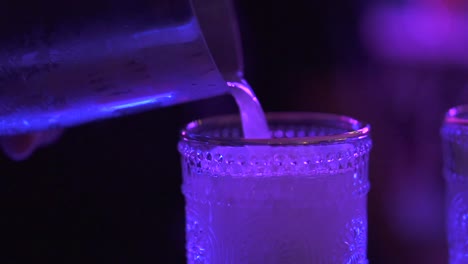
{"x": 64, "y": 63}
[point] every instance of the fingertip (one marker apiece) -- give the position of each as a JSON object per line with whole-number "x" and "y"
{"x": 19, "y": 147}
{"x": 48, "y": 137}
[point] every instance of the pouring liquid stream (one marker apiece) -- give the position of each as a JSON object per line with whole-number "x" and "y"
{"x": 253, "y": 118}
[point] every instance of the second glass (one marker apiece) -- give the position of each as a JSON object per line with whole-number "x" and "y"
{"x": 455, "y": 151}
{"x": 299, "y": 197}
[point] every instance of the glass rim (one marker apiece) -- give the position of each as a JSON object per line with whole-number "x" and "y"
{"x": 357, "y": 130}
{"x": 453, "y": 115}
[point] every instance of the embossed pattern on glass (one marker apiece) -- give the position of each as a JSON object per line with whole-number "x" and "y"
{"x": 290, "y": 199}
{"x": 455, "y": 150}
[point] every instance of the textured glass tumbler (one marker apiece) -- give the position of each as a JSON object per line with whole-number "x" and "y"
{"x": 299, "y": 197}
{"x": 455, "y": 150}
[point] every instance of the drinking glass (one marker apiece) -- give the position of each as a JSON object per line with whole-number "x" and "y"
{"x": 297, "y": 197}
{"x": 455, "y": 154}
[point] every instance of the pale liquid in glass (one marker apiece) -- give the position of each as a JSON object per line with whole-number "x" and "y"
{"x": 277, "y": 218}
{"x": 291, "y": 219}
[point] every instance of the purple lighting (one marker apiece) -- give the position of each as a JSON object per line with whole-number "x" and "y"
{"x": 417, "y": 34}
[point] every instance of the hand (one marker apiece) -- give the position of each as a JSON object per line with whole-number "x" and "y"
{"x": 20, "y": 147}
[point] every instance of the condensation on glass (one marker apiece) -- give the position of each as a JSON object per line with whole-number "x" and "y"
{"x": 298, "y": 197}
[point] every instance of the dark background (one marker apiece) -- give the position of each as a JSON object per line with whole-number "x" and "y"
{"x": 109, "y": 191}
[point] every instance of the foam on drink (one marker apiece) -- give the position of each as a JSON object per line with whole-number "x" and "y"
{"x": 274, "y": 204}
